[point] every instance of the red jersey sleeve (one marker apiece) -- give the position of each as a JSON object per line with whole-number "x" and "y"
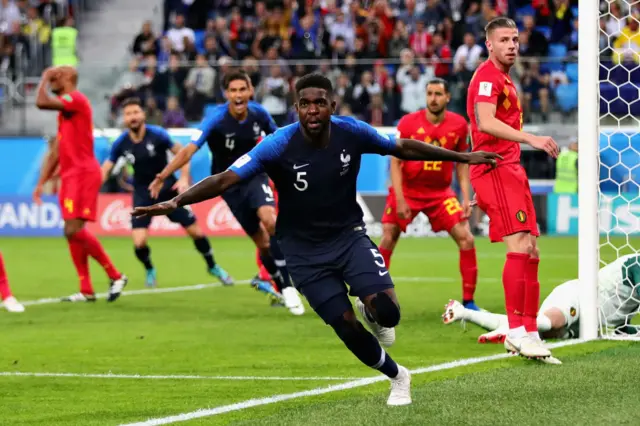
{"x": 73, "y": 102}
{"x": 490, "y": 85}
{"x": 463, "y": 135}
{"x": 404, "y": 128}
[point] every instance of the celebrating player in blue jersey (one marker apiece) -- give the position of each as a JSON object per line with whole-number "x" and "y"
{"x": 146, "y": 148}
{"x": 232, "y": 130}
{"x": 314, "y": 165}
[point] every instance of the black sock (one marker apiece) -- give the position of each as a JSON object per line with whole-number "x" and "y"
{"x": 282, "y": 274}
{"x": 144, "y": 255}
{"x": 368, "y": 350}
{"x": 203, "y": 246}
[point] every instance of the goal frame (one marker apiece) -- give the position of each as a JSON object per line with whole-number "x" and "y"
{"x": 588, "y": 166}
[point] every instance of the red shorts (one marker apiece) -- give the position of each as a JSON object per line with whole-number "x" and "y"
{"x": 504, "y": 195}
{"x": 442, "y": 209}
{"x": 78, "y": 196}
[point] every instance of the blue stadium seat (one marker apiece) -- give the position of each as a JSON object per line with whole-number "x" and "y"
{"x": 605, "y": 67}
{"x": 557, "y": 53}
{"x": 199, "y": 40}
{"x": 525, "y": 11}
{"x": 546, "y": 31}
{"x": 572, "y": 72}
{"x": 567, "y": 96}
{"x": 574, "y": 10}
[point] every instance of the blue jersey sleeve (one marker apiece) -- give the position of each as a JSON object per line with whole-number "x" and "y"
{"x": 268, "y": 124}
{"x": 116, "y": 151}
{"x": 163, "y": 138}
{"x": 375, "y": 141}
{"x": 255, "y": 161}
{"x": 200, "y": 137}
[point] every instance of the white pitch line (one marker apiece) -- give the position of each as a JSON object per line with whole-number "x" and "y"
{"x": 170, "y": 377}
{"x": 51, "y": 300}
{"x": 208, "y": 412}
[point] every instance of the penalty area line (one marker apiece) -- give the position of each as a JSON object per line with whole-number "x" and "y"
{"x": 243, "y": 405}
{"x": 169, "y": 377}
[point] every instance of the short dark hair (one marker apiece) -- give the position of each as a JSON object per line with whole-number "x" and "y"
{"x": 315, "y": 80}
{"x": 499, "y": 22}
{"x": 236, "y": 75}
{"x": 438, "y": 80}
{"x": 131, "y": 101}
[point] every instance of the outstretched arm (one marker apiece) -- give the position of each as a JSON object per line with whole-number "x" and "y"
{"x": 409, "y": 149}
{"x": 208, "y": 188}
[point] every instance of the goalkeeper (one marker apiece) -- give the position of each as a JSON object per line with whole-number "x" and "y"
{"x": 559, "y": 315}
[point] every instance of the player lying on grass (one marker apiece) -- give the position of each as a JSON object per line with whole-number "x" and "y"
{"x": 80, "y": 178}
{"x": 230, "y": 131}
{"x": 425, "y": 186}
{"x": 314, "y": 165}
{"x": 8, "y": 301}
{"x": 559, "y": 317}
{"x": 145, "y": 147}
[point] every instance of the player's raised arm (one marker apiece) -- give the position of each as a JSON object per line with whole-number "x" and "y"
{"x": 50, "y": 80}
{"x": 409, "y": 149}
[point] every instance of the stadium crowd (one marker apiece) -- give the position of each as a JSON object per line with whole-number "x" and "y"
{"x": 379, "y": 54}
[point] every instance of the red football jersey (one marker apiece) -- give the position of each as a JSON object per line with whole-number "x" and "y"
{"x": 75, "y": 135}
{"x": 421, "y": 178}
{"x": 489, "y": 84}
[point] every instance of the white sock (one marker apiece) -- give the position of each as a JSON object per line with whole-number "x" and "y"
{"x": 517, "y": 332}
{"x": 544, "y": 323}
{"x": 486, "y": 320}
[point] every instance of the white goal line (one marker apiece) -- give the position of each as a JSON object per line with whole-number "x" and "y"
{"x": 250, "y": 403}
{"x": 172, "y": 376}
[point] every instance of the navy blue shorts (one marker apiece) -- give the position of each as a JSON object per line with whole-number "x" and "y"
{"x": 142, "y": 198}
{"x": 245, "y": 199}
{"x": 323, "y": 278}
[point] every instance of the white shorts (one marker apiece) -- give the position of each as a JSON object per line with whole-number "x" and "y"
{"x": 566, "y": 298}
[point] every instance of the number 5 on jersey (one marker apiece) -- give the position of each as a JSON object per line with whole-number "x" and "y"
{"x": 301, "y": 183}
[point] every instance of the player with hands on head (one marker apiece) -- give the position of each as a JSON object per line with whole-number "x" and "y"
{"x": 314, "y": 165}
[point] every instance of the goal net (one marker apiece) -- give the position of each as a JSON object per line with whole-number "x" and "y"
{"x": 618, "y": 161}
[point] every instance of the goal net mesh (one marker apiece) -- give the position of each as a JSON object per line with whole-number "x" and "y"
{"x": 619, "y": 189}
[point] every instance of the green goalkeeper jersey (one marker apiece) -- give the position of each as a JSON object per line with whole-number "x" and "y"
{"x": 619, "y": 291}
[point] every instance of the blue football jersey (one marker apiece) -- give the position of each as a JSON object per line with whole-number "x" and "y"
{"x": 228, "y": 138}
{"x": 316, "y": 186}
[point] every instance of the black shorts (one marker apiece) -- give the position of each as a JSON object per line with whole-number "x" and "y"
{"x": 245, "y": 199}
{"x": 354, "y": 260}
{"x": 182, "y": 215}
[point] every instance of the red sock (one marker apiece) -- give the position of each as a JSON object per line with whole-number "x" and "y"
{"x": 81, "y": 262}
{"x": 531, "y": 295}
{"x": 469, "y": 273}
{"x": 94, "y": 249}
{"x": 514, "y": 284}
{"x": 5, "y": 291}
{"x": 386, "y": 255}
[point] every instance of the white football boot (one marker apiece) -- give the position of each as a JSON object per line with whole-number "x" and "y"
{"x": 453, "y": 311}
{"x": 292, "y": 300}
{"x": 386, "y": 336}
{"x": 400, "y": 388}
{"x": 11, "y": 304}
{"x": 116, "y": 287}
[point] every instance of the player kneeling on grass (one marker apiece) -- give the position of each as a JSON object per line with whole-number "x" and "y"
{"x": 559, "y": 317}
{"x": 314, "y": 165}
{"x": 146, "y": 148}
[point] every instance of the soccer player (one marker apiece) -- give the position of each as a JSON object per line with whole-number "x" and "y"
{"x": 9, "y": 302}
{"x": 314, "y": 165}
{"x": 425, "y": 186}
{"x": 619, "y": 295}
{"x": 146, "y": 148}
{"x": 80, "y": 177}
{"x": 503, "y": 193}
{"x": 231, "y": 131}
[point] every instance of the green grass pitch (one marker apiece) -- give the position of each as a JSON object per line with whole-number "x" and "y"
{"x": 223, "y": 338}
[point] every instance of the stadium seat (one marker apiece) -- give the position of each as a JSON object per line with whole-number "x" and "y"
{"x": 574, "y": 11}
{"x": 605, "y": 68}
{"x": 199, "y": 40}
{"x": 567, "y": 96}
{"x": 546, "y": 31}
{"x": 572, "y": 72}
{"x": 557, "y": 53}
{"x": 527, "y": 10}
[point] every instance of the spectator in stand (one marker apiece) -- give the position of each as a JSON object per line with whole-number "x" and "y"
{"x": 190, "y": 51}
{"x": 420, "y": 40}
{"x": 380, "y": 73}
{"x": 171, "y": 81}
{"x": 224, "y": 69}
{"x": 343, "y": 30}
{"x": 154, "y": 115}
{"x": 251, "y": 67}
{"x": 272, "y": 94}
{"x": 363, "y": 92}
{"x": 537, "y": 42}
{"x": 246, "y": 38}
{"x": 178, "y": 33}
{"x": 535, "y": 87}
{"x": 562, "y": 23}
{"x": 223, "y": 38}
{"x": 399, "y": 40}
{"x": 36, "y": 26}
{"x": 627, "y": 46}
{"x": 409, "y": 16}
{"x": 306, "y": 36}
{"x": 19, "y": 41}
{"x": 572, "y": 46}
{"x": 414, "y": 94}
{"x": 439, "y": 55}
{"x": 49, "y": 10}
{"x": 174, "y": 116}
{"x": 344, "y": 89}
{"x": 473, "y": 18}
{"x": 211, "y": 51}
{"x": 272, "y": 57}
{"x": 377, "y": 113}
{"x": 467, "y": 57}
{"x": 434, "y": 14}
{"x": 146, "y": 41}
{"x": 9, "y": 14}
{"x": 199, "y": 86}
{"x": 391, "y": 99}
{"x": 164, "y": 53}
